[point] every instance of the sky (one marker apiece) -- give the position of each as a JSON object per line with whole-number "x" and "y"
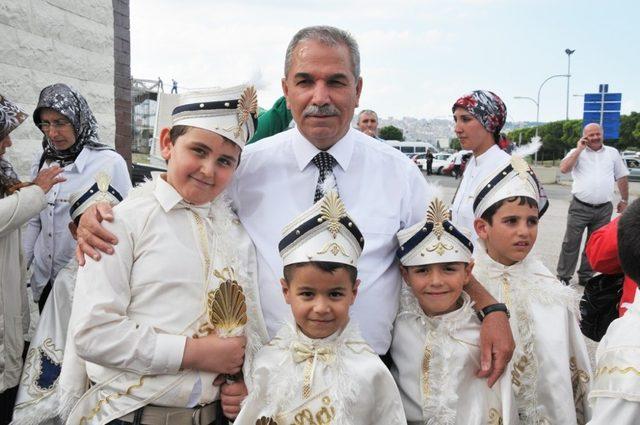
{"x": 417, "y": 56}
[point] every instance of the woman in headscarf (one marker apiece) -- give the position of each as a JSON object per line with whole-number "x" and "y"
{"x": 71, "y": 141}
{"x": 18, "y": 203}
{"x": 479, "y": 116}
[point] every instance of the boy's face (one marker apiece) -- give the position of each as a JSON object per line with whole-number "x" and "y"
{"x": 200, "y": 163}
{"x": 320, "y": 300}
{"x": 437, "y": 286}
{"x": 512, "y": 233}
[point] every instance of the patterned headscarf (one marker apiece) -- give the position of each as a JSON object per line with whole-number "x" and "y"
{"x": 11, "y": 116}
{"x": 68, "y": 102}
{"x": 486, "y": 107}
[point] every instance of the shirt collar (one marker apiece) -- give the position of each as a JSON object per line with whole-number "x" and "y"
{"x": 486, "y": 156}
{"x": 81, "y": 161}
{"x": 166, "y": 194}
{"x": 305, "y": 151}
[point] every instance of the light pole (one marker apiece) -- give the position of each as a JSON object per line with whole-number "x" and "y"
{"x": 569, "y": 52}
{"x": 537, "y": 102}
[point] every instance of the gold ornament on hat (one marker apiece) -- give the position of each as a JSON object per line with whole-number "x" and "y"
{"x": 332, "y": 210}
{"x": 226, "y": 306}
{"x": 103, "y": 180}
{"x": 438, "y": 214}
{"x": 520, "y": 166}
{"x": 247, "y": 106}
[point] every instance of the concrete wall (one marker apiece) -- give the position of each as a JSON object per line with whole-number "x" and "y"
{"x": 45, "y": 42}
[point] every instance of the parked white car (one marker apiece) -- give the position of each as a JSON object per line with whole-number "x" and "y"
{"x": 440, "y": 161}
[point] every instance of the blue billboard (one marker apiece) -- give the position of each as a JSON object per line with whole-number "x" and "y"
{"x": 603, "y": 108}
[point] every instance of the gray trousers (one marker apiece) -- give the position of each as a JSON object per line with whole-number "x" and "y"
{"x": 579, "y": 217}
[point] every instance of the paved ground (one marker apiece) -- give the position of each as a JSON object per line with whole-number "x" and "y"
{"x": 552, "y": 225}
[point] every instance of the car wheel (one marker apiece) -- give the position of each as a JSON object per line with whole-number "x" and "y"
{"x": 439, "y": 170}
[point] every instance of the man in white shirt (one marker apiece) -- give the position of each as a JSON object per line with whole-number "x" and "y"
{"x": 282, "y": 176}
{"x": 594, "y": 168}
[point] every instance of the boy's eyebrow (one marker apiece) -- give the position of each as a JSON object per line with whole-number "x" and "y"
{"x": 201, "y": 145}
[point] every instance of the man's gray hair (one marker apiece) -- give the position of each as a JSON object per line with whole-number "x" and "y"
{"x": 329, "y": 36}
{"x": 368, "y": 112}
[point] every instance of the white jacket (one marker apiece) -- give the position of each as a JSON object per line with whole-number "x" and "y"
{"x": 15, "y": 210}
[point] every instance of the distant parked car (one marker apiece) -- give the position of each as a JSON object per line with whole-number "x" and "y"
{"x": 440, "y": 161}
{"x": 633, "y": 165}
{"x": 448, "y": 168}
{"x": 421, "y": 160}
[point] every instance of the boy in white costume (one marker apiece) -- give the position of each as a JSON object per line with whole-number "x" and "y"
{"x": 145, "y": 319}
{"x": 550, "y": 369}
{"x": 319, "y": 370}
{"x": 615, "y": 396}
{"x": 39, "y": 398}
{"x": 436, "y": 336}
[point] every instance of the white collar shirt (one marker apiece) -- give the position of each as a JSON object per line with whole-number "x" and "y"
{"x": 477, "y": 170}
{"x": 595, "y": 173}
{"x": 382, "y": 190}
{"x": 47, "y": 241}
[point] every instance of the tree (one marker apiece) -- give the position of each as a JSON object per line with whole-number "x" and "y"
{"x": 455, "y": 144}
{"x": 391, "y": 132}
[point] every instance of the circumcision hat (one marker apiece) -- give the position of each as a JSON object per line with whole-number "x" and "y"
{"x": 231, "y": 112}
{"x": 325, "y": 232}
{"x": 516, "y": 179}
{"x": 99, "y": 191}
{"x": 434, "y": 239}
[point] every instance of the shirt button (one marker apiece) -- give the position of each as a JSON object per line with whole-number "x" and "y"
{"x": 49, "y": 255}
{"x": 49, "y": 234}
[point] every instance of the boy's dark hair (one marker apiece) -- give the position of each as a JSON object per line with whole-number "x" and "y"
{"x": 629, "y": 241}
{"x": 180, "y": 130}
{"x": 488, "y": 214}
{"x": 325, "y": 266}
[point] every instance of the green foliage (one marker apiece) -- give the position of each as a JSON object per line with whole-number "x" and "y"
{"x": 455, "y": 144}
{"x": 391, "y": 132}
{"x": 558, "y": 137}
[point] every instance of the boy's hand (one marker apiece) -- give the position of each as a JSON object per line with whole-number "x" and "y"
{"x": 91, "y": 235}
{"x": 214, "y": 354}
{"x": 231, "y": 395}
{"x": 496, "y": 347}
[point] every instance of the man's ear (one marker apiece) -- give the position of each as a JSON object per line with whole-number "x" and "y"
{"x": 481, "y": 227}
{"x": 285, "y": 290}
{"x": 166, "y": 145}
{"x": 285, "y": 91}
{"x": 468, "y": 269}
{"x": 358, "y": 91}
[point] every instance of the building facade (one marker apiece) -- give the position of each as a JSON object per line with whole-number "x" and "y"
{"x": 83, "y": 43}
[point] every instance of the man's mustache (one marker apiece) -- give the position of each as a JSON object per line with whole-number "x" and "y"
{"x": 327, "y": 110}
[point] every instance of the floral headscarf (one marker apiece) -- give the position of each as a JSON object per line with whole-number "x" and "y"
{"x": 11, "y": 116}
{"x": 486, "y": 107}
{"x": 68, "y": 102}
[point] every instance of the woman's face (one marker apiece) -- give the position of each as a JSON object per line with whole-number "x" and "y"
{"x": 472, "y": 135}
{"x": 57, "y": 128}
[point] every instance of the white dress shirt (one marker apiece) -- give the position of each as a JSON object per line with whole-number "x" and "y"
{"x": 616, "y": 391}
{"x": 48, "y": 244}
{"x": 595, "y": 173}
{"x": 477, "y": 170}
{"x": 382, "y": 190}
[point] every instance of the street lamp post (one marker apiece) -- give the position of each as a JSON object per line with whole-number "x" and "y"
{"x": 569, "y": 52}
{"x": 537, "y": 102}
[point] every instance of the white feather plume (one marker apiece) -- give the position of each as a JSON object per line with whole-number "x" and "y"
{"x": 528, "y": 149}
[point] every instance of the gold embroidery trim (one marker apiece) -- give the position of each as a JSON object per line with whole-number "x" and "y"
{"x": 322, "y": 417}
{"x": 616, "y": 369}
{"x": 578, "y": 380}
{"x": 495, "y": 418}
{"x": 426, "y": 359}
{"x": 108, "y": 398}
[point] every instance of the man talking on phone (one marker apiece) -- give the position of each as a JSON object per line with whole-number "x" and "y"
{"x": 594, "y": 168}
